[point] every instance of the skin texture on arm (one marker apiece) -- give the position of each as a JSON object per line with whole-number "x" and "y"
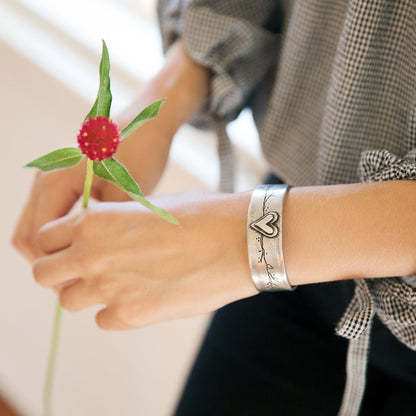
{"x": 144, "y": 153}
{"x": 145, "y": 270}
{"x": 350, "y": 231}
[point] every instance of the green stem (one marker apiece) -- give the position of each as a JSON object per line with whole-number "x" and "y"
{"x": 88, "y": 183}
{"x": 47, "y": 389}
{"x": 50, "y": 372}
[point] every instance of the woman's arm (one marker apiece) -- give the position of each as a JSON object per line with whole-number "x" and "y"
{"x": 350, "y": 231}
{"x": 146, "y": 270}
{"x": 185, "y": 84}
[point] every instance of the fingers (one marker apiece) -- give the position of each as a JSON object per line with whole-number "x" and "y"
{"x": 57, "y": 288}
{"x": 51, "y": 197}
{"x": 23, "y": 235}
{"x": 55, "y": 235}
{"x": 53, "y": 202}
{"x": 79, "y": 295}
{"x": 112, "y": 319}
{"x": 55, "y": 269}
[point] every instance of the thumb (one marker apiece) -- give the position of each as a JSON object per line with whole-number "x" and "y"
{"x": 55, "y": 199}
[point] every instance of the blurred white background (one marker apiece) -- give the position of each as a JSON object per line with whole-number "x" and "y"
{"x": 49, "y": 55}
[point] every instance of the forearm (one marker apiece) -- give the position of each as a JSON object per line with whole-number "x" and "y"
{"x": 183, "y": 82}
{"x": 329, "y": 233}
{"x": 185, "y": 85}
{"x": 350, "y": 231}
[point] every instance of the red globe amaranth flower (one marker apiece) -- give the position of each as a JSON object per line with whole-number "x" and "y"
{"x": 98, "y": 138}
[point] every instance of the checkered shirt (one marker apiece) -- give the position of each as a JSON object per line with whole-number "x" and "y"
{"x": 332, "y": 86}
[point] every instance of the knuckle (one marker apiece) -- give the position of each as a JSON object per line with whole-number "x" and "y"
{"x": 124, "y": 315}
{"x": 129, "y": 314}
{"x": 92, "y": 262}
{"x": 19, "y": 242}
{"x": 38, "y": 274}
{"x": 22, "y": 242}
{"x": 105, "y": 285}
{"x": 86, "y": 260}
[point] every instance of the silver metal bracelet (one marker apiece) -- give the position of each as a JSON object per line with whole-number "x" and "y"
{"x": 264, "y": 238}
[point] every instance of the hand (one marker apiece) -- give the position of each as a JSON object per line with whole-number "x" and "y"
{"x": 53, "y": 194}
{"x": 144, "y": 153}
{"x": 146, "y": 270}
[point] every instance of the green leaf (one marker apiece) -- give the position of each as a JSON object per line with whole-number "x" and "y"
{"x": 116, "y": 173}
{"x": 104, "y": 92}
{"x": 157, "y": 210}
{"x": 102, "y": 104}
{"x": 148, "y": 113}
{"x": 58, "y": 159}
{"x": 93, "y": 111}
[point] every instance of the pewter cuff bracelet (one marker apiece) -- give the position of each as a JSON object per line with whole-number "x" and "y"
{"x": 264, "y": 238}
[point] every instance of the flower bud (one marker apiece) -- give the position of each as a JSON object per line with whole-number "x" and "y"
{"x": 98, "y": 138}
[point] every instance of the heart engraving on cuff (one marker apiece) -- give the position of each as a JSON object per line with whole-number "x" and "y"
{"x": 267, "y": 224}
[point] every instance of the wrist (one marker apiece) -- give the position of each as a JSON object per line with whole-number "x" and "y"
{"x": 237, "y": 207}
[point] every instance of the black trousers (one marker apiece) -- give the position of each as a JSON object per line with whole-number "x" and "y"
{"x": 277, "y": 354}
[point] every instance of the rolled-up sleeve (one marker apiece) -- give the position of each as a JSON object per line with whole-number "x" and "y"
{"x": 237, "y": 40}
{"x": 392, "y": 299}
